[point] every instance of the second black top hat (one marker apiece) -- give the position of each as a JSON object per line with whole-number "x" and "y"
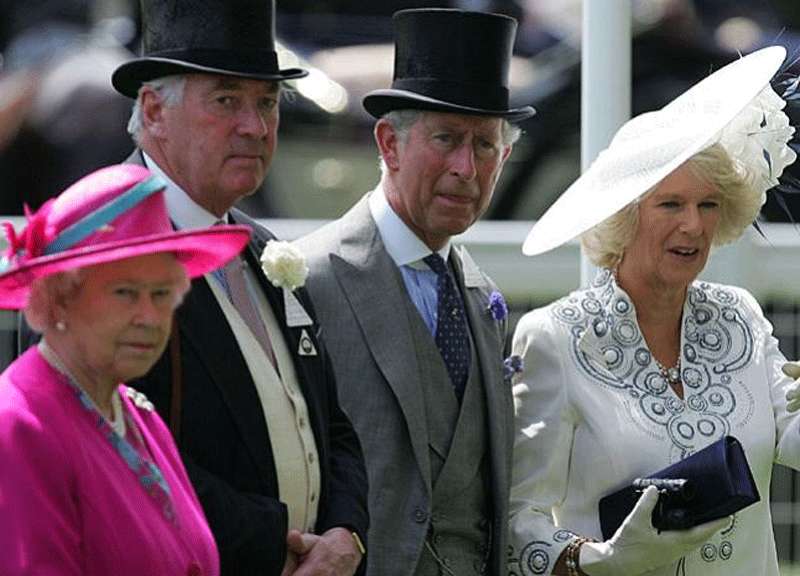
{"x": 450, "y": 61}
{"x": 233, "y": 37}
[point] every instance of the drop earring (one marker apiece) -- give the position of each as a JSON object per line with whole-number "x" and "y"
{"x": 61, "y": 326}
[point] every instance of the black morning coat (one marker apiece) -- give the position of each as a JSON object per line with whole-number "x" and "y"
{"x": 224, "y": 439}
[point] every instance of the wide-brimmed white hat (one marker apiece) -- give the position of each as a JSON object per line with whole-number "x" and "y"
{"x": 735, "y": 106}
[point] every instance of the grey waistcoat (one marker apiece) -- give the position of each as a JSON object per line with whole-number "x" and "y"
{"x": 458, "y": 532}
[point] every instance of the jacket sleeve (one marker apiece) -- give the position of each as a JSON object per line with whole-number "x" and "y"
{"x": 39, "y": 518}
{"x": 544, "y": 428}
{"x": 346, "y": 504}
{"x": 250, "y": 529}
{"x": 787, "y": 424}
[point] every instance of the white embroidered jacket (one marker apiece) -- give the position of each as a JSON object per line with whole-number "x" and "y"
{"x": 593, "y": 412}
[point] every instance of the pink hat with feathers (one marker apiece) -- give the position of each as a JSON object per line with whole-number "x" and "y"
{"x": 114, "y": 213}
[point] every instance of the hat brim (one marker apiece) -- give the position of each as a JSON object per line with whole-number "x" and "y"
{"x": 380, "y": 102}
{"x": 199, "y": 251}
{"x": 651, "y": 146}
{"x": 129, "y": 77}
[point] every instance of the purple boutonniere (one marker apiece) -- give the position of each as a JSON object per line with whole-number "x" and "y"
{"x": 512, "y": 365}
{"x": 497, "y": 306}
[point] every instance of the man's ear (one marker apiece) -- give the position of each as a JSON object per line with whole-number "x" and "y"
{"x": 388, "y": 142}
{"x": 152, "y": 113}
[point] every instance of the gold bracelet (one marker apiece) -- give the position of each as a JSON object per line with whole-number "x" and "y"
{"x": 572, "y": 557}
{"x": 359, "y": 543}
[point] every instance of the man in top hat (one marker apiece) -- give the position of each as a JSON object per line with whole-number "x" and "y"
{"x": 246, "y": 385}
{"x": 419, "y": 329}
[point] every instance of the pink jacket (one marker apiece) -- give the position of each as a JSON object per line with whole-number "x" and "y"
{"x": 69, "y": 504}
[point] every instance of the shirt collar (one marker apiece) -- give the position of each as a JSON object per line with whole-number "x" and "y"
{"x": 402, "y": 245}
{"x": 184, "y": 212}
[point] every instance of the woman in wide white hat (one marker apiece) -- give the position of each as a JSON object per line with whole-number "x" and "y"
{"x": 647, "y": 365}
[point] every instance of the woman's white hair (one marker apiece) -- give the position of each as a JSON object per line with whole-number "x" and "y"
{"x": 60, "y": 288}
{"x": 168, "y": 88}
{"x": 605, "y": 243}
{"x": 46, "y": 293}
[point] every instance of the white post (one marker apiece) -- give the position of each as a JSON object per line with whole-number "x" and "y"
{"x": 605, "y": 82}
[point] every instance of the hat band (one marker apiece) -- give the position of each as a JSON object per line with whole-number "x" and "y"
{"x": 93, "y": 221}
{"x": 469, "y": 94}
{"x": 244, "y": 61}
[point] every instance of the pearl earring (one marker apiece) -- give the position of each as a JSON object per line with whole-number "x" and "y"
{"x": 61, "y": 326}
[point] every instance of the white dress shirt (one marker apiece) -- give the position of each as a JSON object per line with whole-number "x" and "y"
{"x": 407, "y": 251}
{"x": 284, "y": 407}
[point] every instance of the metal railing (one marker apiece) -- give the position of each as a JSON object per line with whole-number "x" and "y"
{"x": 768, "y": 267}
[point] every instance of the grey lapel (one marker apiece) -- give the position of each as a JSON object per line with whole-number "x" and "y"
{"x": 374, "y": 288}
{"x": 487, "y": 338}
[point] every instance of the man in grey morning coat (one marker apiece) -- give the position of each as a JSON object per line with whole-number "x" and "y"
{"x": 415, "y": 344}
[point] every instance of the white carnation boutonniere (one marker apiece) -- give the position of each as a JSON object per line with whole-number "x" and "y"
{"x": 284, "y": 265}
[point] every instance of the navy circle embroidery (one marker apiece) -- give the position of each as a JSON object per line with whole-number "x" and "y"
{"x": 534, "y": 559}
{"x": 697, "y": 403}
{"x": 563, "y": 535}
{"x": 706, "y": 427}
{"x": 600, "y": 327}
{"x": 691, "y": 377}
{"x": 591, "y": 305}
{"x": 643, "y": 357}
{"x": 716, "y": 343}
{"x": 708, "y": 552}
{"x": 613, "y": 356}
{"x": 656, "y": 383}
{"x": 726, "y": 550}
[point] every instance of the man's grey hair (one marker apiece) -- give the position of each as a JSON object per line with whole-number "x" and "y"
{"x": 403, "y": 120}
{"x": 169, "y": 90}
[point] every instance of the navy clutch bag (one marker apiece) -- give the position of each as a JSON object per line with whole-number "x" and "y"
{"x": 712, "y": 483}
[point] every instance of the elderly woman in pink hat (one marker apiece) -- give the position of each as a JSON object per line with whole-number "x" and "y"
{"x": 91, "y": 482}
{"x": 648, "y": 373}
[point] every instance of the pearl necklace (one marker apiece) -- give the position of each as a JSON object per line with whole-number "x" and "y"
{"x": 671, "y": 374}
{"x": 117, "y": 422}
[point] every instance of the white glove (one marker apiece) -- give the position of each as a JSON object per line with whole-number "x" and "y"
{"x": 792, "y": 370}
{"x": 636, "y": 547}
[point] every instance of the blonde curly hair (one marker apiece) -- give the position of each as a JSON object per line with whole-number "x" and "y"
{"x": 605, "y": 243}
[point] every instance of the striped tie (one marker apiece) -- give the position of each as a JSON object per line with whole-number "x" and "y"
{"x": 236, "y": 285}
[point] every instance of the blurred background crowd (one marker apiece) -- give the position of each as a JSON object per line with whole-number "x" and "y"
{"x": 60, "y": 118}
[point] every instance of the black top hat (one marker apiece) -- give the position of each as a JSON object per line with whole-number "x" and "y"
{"x": 450, "y": 61}
{"x": 233, "y": 37}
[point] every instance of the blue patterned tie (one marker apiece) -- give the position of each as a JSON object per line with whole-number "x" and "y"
{"x": 452, "y": 338}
